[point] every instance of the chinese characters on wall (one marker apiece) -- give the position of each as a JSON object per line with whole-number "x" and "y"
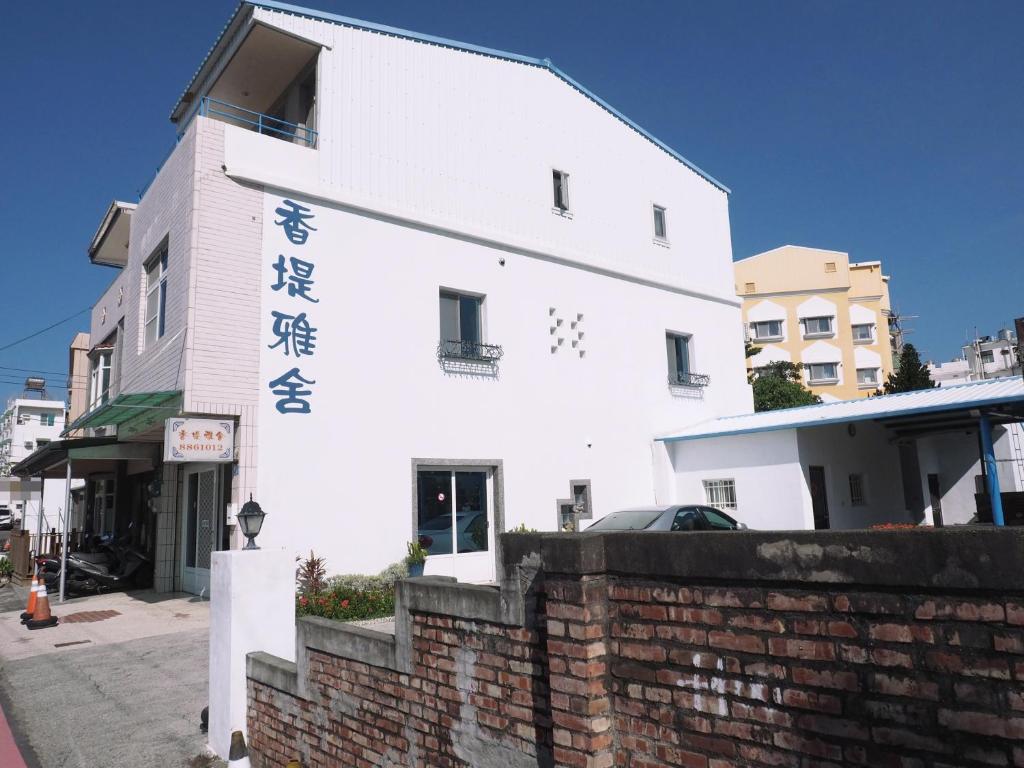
{"x": 293, "y": 288}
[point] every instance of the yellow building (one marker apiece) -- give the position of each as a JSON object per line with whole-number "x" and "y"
{"x": 814, "y": 308}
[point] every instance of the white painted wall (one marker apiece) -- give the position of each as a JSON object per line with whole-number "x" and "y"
{"x": 473, "y": 139}
{"x": 252, "y": 608}
{"x": 340, "y": 478}
{"x": 868, "y": 452}
{"x": 770, "y": 491}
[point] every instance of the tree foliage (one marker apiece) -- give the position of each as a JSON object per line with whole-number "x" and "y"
{"x": 780, "y": 385}
{"x": 910, "y": 374}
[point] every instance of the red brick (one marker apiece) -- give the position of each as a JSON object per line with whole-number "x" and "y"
{"x": 733, "y": 642}
{"x": 802, "y": 649}
{"x": 846, "y": 681}
{"x": 757, "y": 623}
{"x": 778, "y": 601}
{"x": 819, "y": 702}
{"x": 1008, "y": 643}
{"x": 891, "y": 685}
{"x": 900, "y": 633}
{"x": 983, "y": 724}
{"x": 960, "y": 610}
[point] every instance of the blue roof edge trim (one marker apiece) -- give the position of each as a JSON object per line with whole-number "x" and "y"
{"x": 370, "y": 26}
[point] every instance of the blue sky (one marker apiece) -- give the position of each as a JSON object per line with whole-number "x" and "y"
{"x": 892, "y": 131}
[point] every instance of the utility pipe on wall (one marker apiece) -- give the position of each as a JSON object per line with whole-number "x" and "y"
{"x": 988, "y": 455}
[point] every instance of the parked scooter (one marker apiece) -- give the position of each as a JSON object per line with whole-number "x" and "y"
{"x": 126, "y": 568}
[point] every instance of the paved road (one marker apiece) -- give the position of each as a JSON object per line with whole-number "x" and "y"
{"x": 103, "y": 701}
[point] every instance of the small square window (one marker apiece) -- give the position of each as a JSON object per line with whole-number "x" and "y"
{"x": 560, "y": 181}
{"x": 987, "y": 356}
{"x": 721, "y": 494}
{"x": 857, "y": 496}
{"x": 830, "y": 266}
{"x": 660, "y": 230}
{"x": 750, "y": 288}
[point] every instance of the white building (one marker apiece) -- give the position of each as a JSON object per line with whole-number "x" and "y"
{"x": 986, "y": 357}
{"x": 29, "y": 423}
{"x": 913, "y": 458}
{"x": 437, "y": 290}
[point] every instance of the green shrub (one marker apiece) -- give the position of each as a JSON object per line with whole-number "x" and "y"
{"x": 353, "y": 597}
{"x": 345, "y": 604}
{"x": 6, "y": 568}
{"x": 521, "y": 528}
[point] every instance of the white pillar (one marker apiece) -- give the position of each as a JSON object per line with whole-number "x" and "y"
{"x": 252, "y": 608}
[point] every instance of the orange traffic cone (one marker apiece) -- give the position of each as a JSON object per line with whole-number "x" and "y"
{"x": 31, "y": 607}
{"x": 42, "y": 617}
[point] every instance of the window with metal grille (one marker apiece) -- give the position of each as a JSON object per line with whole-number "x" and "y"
{"x": 857, "y": 496}
{"x": 720, "y": 493}
{"x": 830, "y": 266}
{"x": 750, "y": 287}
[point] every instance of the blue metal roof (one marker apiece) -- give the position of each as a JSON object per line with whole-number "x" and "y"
{"x": 447, "y": 43}
{"x": 959, "y": 397}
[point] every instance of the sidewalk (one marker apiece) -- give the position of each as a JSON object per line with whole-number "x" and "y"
{"x": 120, "y": 682}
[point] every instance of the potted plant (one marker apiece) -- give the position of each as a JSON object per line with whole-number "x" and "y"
{"x": 416, "y": 558}
{"x": 6, "y": 571}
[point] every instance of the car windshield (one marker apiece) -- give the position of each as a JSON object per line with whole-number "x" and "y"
{"x": 627, "y": 520}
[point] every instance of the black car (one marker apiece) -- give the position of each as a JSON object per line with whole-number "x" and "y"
{"x": 678, "y": 517}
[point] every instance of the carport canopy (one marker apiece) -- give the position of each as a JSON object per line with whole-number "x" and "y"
{"x": 906, "y": 413}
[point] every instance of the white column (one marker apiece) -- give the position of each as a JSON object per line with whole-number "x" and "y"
{"x": 252, "y": 608}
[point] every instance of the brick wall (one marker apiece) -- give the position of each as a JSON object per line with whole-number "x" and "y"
{"x": 643, "y": 651}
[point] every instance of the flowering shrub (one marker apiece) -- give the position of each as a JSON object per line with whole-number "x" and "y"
{"x": 345, "y": 604}
{"x": 350, "y": 597}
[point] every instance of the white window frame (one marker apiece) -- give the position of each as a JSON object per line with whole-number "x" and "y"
{"x": 827, "y": 380}
{"x": 661, "y": 239}
{"x": 103, "y": 361}
{"x": 771, "y": 337}
{"x": 155, "y": 325}
{"x": 858, "y": 490}
{"x": 819, "y": 334}
{"x": 721, "y": 494}
{"x": 871, "y": 333}
{"x": 867, "y": 384}
{"x": 563, "y": 193}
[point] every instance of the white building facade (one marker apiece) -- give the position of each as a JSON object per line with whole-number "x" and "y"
{"x": 27, "y": 424}
{"x": 438, "y": 291}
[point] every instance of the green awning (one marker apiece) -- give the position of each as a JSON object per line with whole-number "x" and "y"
{"x": 126, "y": 407}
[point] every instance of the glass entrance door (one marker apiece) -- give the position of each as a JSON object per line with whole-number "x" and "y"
{"x": 201, "y": 520}
{"x": 454, "y": 522}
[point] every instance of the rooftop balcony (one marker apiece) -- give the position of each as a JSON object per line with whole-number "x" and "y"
{"x": 261, "y": 123}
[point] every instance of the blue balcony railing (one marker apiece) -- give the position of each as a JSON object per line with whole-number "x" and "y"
{"x": 257, "y": 121}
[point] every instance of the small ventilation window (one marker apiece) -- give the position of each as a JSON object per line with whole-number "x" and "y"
{"x": 830, "y": 266}
{"x": 750, "y": 288}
